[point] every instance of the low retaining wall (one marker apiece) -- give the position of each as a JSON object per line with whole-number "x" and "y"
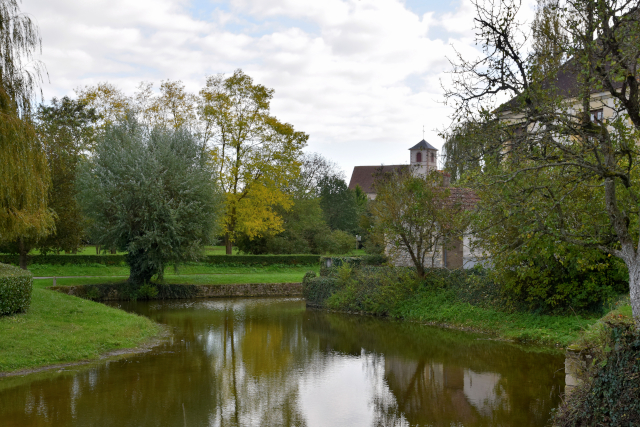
{"x": 207, "y": 291}
{"x": 576, "y": 364}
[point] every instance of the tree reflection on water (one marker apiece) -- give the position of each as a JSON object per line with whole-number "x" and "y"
{"x": 270, "y": 362}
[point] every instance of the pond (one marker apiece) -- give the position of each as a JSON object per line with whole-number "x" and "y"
{"x": 272, "y": 362}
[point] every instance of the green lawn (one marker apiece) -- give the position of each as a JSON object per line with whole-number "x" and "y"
{"x": 59, "y": 328}
{"x": 192, "y": 274}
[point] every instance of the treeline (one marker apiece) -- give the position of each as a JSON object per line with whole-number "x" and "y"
{"x": 255, "y": 186}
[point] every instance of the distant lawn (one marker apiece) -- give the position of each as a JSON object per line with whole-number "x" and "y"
{"x": 214, "y": 275}
{"x": 40, "y": 270}
{"x": 60, "y": 328}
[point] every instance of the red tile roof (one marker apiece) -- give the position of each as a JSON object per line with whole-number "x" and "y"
{"x": 365, "y": 175}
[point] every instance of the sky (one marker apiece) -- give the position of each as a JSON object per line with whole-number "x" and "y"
{"x": 361, "y": 77}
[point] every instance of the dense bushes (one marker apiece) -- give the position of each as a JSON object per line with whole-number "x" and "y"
{"x": 66, "y": 259}
{"x": 317, "y": 289}
{"x": 610, "y": 395}
{"x": 559, "y": 277}
{"x": 368, "y": 289}
{"x": 233, "y": 260}
{"x": 15, "y": 289}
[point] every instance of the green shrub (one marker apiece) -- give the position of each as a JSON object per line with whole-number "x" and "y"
{"x": 147, "y": 291}
{"x": 375, "y": 290}
{"x": 66, "y": 259}
{"x": 261, "y": 259}
{"x": 15, "y": 289}
{"x": 230, "y": 260}
{"x": 317, "y": 289}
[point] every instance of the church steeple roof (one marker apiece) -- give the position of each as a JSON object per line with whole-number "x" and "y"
{"x": 423, "y": 145}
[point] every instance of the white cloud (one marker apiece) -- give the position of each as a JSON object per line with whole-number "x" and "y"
{"x": 360, "y": 76}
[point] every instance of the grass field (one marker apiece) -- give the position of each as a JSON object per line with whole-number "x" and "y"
{"x": 59, "y": 328}
{"x": 215, "y": 276}
{"x": 40, "y": 270}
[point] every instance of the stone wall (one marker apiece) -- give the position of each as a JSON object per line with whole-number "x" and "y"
{"x": 400, "y": 257}
{"x": 208, "y": 291}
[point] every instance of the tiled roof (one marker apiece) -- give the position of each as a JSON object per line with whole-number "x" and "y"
{"x": 423, "y": 145}
{"x": 364, "y": 176}
{"x": 465, "y": 196}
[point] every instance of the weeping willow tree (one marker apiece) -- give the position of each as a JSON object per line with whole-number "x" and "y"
{"x": 24, "y": 175}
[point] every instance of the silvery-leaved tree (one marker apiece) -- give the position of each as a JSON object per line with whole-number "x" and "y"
{"x": 151, "y": 193}
{"x": 561, "y": 155}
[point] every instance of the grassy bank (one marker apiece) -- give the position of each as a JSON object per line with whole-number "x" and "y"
{"x": 443, "y": 308}
{"x": 59, "y": 329}
{"x": 463, "y": 300}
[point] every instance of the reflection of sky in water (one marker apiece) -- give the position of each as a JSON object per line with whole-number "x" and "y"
{"x": 268, "y": 362}
{"x": 338, "y": 395}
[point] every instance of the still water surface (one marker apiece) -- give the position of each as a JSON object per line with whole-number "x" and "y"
{"x": 271, "y": 362}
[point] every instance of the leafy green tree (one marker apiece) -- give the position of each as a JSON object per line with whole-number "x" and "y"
{"x": 304, "y": 232}
{"x": 151, "y": 193}
{"x": 339, "y": 204}
{"x": 574, "y": 173}
{"x": 24, "y": 176}
{"x": 415, "y": 215}
{"x": 67, "y": 130}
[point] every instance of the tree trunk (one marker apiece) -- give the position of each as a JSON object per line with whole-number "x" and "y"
{"x": 113, "y": 251}
{"x": 227, "y": 243}
{"x": 23, "y": 254}
{"x": 97, "y": 249}
{"x": 634, "y": 288}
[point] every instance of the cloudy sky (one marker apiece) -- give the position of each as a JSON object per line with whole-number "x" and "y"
{"x": 361, "y": 77}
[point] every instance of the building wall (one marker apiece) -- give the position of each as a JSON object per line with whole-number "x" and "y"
{"x": 462, "y": 255}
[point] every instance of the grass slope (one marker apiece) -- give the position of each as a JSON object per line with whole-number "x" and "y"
{"x": 442, "y": 307}
{"x": 60, "y": 328}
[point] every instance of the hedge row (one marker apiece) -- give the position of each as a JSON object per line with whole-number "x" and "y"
{"x": 15, "y": 289}
{"x": 208, "y": 259}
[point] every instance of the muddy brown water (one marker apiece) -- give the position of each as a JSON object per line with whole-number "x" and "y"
{"x": 272, "y": 362}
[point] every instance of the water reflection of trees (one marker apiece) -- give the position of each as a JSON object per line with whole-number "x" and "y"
{"x": 234, "y": 363}
{"x": 442, "y": 378}
{"x": 228, "y": 364}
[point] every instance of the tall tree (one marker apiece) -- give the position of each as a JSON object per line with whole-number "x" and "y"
{"x": 556, "y": 128}
{"x": 339, "y": 204}
{"x": 151, "y": 193}
{"x": 255, "y": 155}
{"x": 24, "y": 176}
{"x": 67, "y": 129}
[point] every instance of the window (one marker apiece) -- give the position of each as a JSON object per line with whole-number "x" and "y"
{"x": 596, "y": 115}
{"x": 433, "y": 156}
{"x": 419, "y": 157}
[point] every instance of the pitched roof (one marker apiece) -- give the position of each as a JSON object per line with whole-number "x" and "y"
{"x": 466, "y": 197}
{"x": 365, "y": 175}
{"x": 423, "y": 145}
{"x": 565, "y": 81}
